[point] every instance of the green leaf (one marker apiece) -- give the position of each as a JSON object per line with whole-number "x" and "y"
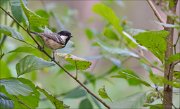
{"x": 102, "y": 92}
{"x": 57, "y": 103}
{"x": 31, "y": 100}
{"x": 112, "y": 18}
{"x": 5, "y": 70}
{"x": 42, "y": 13}
{"x": 10, "y": 32}
{"x": 15, "y": 87}
{"x": 131, "y": 77}
{"x": 90, "y": 77}
{"x": 76, "y": 93}
{"x": 115, "y": 50}
{"x": 160, "y": 81}
{"x": 26, "y": 50}
{"x": 17, "y": 10}
{"x": 30, "y": 63}
{"x": 28, "y": 99}
{"x": 80, "y": 63}
{"x": 173, "y": 58}
{"x": 155, "y": 41}
{"x": 110, "y": 33}
{"x": 134, "y": 101}
{"x": 85, "y": 104}
{"x": 108, "y": 14}
{"x": 4, "y": 2}
{"x": 176, "y": 74}
{"x": 5, "y": 102}
{"x": 96, "y": 102}
{"x": 34, "y": 19}
{"x": 89, "y": 33}
{"x": 156, "y": 79}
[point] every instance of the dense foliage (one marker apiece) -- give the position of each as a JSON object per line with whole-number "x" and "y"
{"x": 117, "y": 42}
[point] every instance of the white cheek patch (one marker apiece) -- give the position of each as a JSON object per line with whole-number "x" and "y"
{"x": 63, "y": 38}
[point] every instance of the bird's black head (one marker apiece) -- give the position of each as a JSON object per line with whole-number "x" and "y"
{"x": 65, "y": 33}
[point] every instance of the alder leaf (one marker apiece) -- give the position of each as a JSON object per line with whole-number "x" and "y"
{"x": 173, "y": 58}
{"x": 102, "y": 92}
{"x": 80, "y": 63}
{"x": 85, "y": 104}
{"x": 17, "y": 11}
{"x": 15, "y": 87}
{"x": 57, "y": 103}
{"x": 5, "y": 102}
{"x": 155, "y": 41}
{"x": 10, "y": 32}
{"x": 30, "y": 63}
{"x": 33, "y": 18}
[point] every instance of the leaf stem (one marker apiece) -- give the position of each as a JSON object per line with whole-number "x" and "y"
{"x": 68, "y": 73}
{"x": 76, "y": 70}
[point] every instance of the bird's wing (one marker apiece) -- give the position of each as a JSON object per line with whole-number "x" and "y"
{"x": 55, "y": 37}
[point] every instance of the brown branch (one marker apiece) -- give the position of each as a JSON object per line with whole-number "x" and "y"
{"x": 68, "y": 73}
{"x": 168, "y": 70}
{"x": 87, "y": 81}
{"x": 147, "y": 62}
{"x": 155, "y": 11}
{"x": 161, "y": 95}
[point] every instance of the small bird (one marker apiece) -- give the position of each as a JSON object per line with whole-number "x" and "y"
{"x": 55, "y": 40}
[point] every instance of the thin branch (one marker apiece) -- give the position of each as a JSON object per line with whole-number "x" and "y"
{"x": 176, "y": 43}
{"x": 21, "y": 26}
{"x": 148, "y": 63}
{"x": 82, "y": 84}
{"x": 68, "y": 73}
{"x": 86, "y": 82}
{"x": 155, "y": 11}
{"x": 76, "y": 70}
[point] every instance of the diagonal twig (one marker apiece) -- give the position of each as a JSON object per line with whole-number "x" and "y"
{"x": 155, "y": 11}
{"x": 68, "y": 73}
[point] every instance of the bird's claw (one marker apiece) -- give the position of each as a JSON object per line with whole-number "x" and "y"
{"x": 41, "y": 48}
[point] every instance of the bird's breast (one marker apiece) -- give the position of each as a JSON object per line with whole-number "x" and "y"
{"x": 52, "y": 44}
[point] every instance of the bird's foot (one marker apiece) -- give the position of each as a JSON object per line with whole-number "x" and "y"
{"x": 41, "y": 48}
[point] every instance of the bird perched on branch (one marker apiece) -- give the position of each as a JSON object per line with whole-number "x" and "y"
{"x": 55, "y": 40}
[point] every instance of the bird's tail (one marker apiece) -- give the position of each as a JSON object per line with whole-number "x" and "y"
{"x": 34, "y": 33}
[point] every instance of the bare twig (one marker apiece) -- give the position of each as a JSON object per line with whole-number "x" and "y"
{"x": 87, "y": 82}
{"x": 155, "y": 11}
{"x": 176, "y": 43}
{"x": 68, "y": 73}
{"x": 147, "y": 62}
{"x": 76, "y": 70}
